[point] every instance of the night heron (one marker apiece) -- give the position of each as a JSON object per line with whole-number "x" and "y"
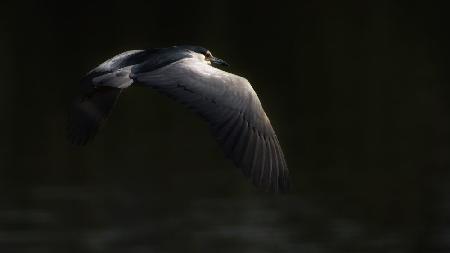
{"x": 226, "y": 101}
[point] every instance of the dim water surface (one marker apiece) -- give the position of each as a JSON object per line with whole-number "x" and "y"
{"x": 106, "y": 219}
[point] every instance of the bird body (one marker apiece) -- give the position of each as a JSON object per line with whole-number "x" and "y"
{"x": 185, "y": 73}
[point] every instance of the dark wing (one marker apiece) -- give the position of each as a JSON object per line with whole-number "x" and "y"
{"x": 102, "y": 86}
{"x": 88, "y": 112}
{"x": 100, "y": 89}
{"x": 234, "y": 112}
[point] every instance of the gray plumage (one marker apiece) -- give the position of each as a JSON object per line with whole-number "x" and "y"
{"x": 226, "y": 101}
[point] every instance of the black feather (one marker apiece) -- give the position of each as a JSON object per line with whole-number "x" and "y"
{"x": 88, "y": 112}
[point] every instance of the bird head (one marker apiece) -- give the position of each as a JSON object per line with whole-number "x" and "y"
{"x": 210, "y": 59}
{"x": 206, "y": 55}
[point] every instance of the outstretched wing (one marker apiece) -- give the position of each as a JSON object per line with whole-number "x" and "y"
{"x": 100, "y": 90}
{"x": 234, "y": 112}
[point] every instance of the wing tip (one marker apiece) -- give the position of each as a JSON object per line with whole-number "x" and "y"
{"x": 76, "y": 135}
{"x": 280, "y": 185}
{"x": 258, "y": 156}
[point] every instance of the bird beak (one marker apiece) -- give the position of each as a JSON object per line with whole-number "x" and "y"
{"x": 218, "y": 61}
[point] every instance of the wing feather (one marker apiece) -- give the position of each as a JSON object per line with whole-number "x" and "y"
{"x": 236, "y": 117}
{"x": 275, "y": 165}
{"x": 88, "y": 112}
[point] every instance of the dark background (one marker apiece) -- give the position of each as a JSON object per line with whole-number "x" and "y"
{"x": 358, "y": 92}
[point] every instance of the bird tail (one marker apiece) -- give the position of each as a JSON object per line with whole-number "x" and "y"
{"x": 89, "y": 111}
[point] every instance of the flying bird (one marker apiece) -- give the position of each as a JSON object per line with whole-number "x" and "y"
{"x": 186, "y": 73}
